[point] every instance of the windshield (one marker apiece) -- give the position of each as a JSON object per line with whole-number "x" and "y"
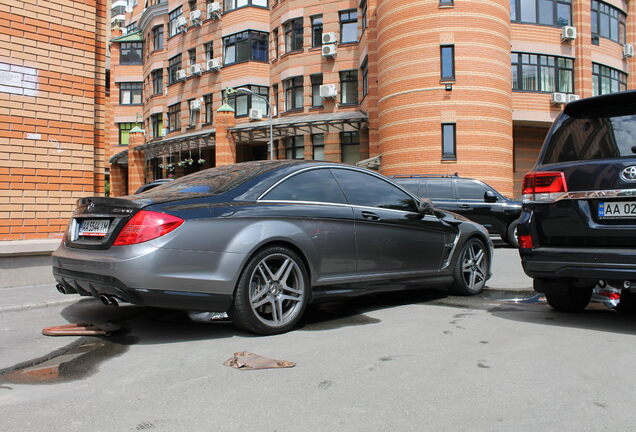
{"x": 589, "y": 138}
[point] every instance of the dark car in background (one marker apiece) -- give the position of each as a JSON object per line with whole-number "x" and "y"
{"x": 578, "y": 224}
{"x": 471, "y": 198}
{"x": 260, "y": 240}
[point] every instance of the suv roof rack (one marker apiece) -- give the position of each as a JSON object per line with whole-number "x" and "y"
{"x": 425, "y": 175}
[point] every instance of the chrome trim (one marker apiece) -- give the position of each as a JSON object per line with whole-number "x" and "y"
{"x": 334, "y": 204}
{"x": 611, "y": 193}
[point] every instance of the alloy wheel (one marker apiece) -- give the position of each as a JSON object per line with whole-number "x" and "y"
{"x": 474, "y": 266}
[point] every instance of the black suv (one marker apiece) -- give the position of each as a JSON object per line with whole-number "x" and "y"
{"x": 578, "y": 224}
{"x": 469, "y": 197}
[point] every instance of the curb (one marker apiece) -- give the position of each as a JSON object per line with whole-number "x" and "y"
{"x": 14, "y": 308}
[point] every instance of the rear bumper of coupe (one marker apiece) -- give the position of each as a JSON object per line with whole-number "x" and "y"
{"x": 149, "y": 276}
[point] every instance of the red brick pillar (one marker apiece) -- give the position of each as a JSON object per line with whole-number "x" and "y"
{"x": 332, "y": 147}
{"x": 225, "y": 142}
{"x": 136, "y": 163}
{"x": 118, "y": 180}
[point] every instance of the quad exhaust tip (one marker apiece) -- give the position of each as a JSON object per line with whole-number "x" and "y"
{"x": 65, "y": 290}
{"x": 109, "y": 300}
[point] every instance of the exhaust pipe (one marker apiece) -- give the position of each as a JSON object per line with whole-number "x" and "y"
{"x": 61, "y": 288}
{"x": 104, "y": 299}
{"x": 116, "y": 301}
{"x": 110, "y": 300}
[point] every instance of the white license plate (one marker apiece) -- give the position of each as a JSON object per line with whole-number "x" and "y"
{"x": 94, "y": 227}
{"x": 617, "y": 210}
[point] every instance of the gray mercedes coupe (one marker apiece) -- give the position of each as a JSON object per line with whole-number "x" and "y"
{"x": 261, "y": 240}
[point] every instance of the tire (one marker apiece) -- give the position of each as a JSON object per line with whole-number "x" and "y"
{"x": 471, "y": 267}
{"x": 569, "y": 298}
{"x": 272, "y": 292}
{"x": 627, "y": 304}
{"x": 511, "y": 234}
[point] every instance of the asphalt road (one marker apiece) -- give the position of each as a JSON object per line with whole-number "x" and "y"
{"x": 405, "y": 361}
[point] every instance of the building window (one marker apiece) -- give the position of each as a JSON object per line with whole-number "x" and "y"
{"x": 556, "y": 13}
{"x": 245, "y": 46}
{"x": 318, "y": 146}
{"x": 450, "y": 2}
{"x": 157, "y": 81}
{"x": 607, "y": 22}
{"x": 131, "y": 53}
{"x": 447, "y": 60}
{"x": 192, "y": 56}
{"x": 131, "y": 28}
{"x": 172, "y": 24}
{"x": 131, "y": 93}
{"x": 607, "y": 80}
{"x": 275, "y": 42}
{"x": 208, "y": 48}
{"x": 363, "y": 13}
{"x": 295, "y": 147}
{"x": 449, "y": 150}
{"x": 207, "y": 101}
{"x": 316, "y": 82}
{"x": 174, "y": 120}
{"x": 275, "y": 100}
{"x": 540, "y": 73}
{"x": 294, "y": 35}
{"x": 349, "y": 87}
{"x": 235, "y": 4}
{"x": 124, "y": 133}
{"x": 293, "y": 93}
{"x": 349, "y": 26}
{"x": 193, "y": 114}
{"x": 350, "y": 147}
{"x": 156, "y": 123}
{"x": 242, "y": 103}
{"x": 157, "y": 37}
{"x": 364, "y": 69}
{"x": 316, "y": 31}
{"x": 193, "y": 4}
{"x": 174, "y": 64}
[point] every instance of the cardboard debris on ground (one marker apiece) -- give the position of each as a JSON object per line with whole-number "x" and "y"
{"x": 249, "y": 361}
{"x": 80, "y": 329}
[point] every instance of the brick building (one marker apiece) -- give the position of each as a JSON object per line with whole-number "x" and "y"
{"x": 52, "y": 112}
{"x": 417, "y": 86}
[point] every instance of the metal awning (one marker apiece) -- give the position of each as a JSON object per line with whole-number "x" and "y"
{"x": 166, "y": 146}
{"x": 346, "y": 121}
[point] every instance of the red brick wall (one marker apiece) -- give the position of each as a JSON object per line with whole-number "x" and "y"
{"x": 51, "y": 62}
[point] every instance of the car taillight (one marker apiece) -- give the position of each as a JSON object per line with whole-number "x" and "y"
{"x": 146, "y": 225}
{"x": 525, "y": 242}
{"x": 544, "y": 186}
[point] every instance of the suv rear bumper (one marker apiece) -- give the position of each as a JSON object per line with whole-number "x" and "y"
{"x": 580, "y": 263}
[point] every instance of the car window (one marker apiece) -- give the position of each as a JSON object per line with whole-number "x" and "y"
{"x": 439, "y": 188}
{"x": 471, "y": 190}
{"x": 370, "y": 191}
{"x": 317, "y": 185}
{"x": 410, "y": 184}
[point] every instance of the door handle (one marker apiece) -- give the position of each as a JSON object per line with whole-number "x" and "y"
{"x": 464, "y": 206}
{"x": 370, "y": 216}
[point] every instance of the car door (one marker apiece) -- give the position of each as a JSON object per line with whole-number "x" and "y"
{"x": 472, "y": 204}
{"x": 440, "y": 191}
{"x": 314, "y": 204}
{"x": 391, "y": 236}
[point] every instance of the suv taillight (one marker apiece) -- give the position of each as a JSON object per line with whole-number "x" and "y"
{"x": 544, "y": 186}
{"x": 146, "y": 225}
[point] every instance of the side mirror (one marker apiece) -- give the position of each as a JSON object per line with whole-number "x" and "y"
{"x": 426, "y": 206}
{"x": 490, "y": 197}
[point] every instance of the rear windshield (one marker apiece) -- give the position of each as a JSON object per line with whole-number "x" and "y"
{"x": 589, "y": 138}
{"x": 215, "y": 181}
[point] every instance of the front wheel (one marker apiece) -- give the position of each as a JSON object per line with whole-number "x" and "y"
{"x": 471, "y": 268}
{"x": 272, "y": 292}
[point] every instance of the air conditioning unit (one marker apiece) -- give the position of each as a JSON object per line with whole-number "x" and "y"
{"x": 568, "y": 33}
{"x": 214, "y": 10}
{"x": 628, "y": 50}
{"x": 164, "y": 132}
{"x": 195, "y": 105}
{"x": 181, "y": 74}
{"x": 129, "y": 9}
{"x": 182, "y": 22}
{"x": 329, "y": 38}
{"x": 573, "y": 97}
{"x": 328, "y": 91}
{"x": 329, "y": 50}
{"x": 255, "y": 114}
{"x": 195, "y": 17}
{"x": 196, "y": 69}
{"x": 559, "y": 98}
{"x": 213, "y": 64}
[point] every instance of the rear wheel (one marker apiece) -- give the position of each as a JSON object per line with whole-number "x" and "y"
{"x": 272, "y": 292}
{"x": 567, "y": 296}
{"x": 511, "y": 235}
{"x": 471, "y": 268}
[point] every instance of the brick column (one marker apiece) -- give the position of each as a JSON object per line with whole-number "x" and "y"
{"x": 136, "y": 163}
{"x": 332, "y": 147}
{"x": 631, "y": 61}
{"x": 225, "y": 142}
{"x": 581, "y": 11}
{"x": 118, "y": 180}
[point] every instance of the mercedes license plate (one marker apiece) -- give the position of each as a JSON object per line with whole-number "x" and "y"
{"x": 617, "y": 210}
{"x": 94, "y": 227}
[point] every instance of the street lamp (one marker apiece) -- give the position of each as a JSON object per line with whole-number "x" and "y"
{"x": 245, "y": 90}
